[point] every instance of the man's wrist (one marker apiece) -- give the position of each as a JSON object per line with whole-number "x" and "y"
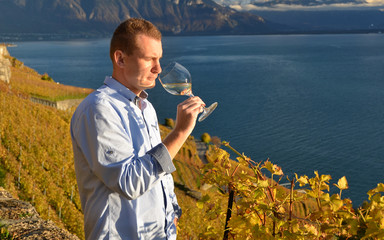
{"x": 174, "y": 141}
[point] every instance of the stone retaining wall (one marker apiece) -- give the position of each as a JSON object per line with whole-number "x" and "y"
{"x": 21, "y": 221}
{"x": 5, "y": 64}
{"x": 61, "y": 105}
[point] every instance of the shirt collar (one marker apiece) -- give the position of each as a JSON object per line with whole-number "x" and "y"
{"x": 120, "y": 88}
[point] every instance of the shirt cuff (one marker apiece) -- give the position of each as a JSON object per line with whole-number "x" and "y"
{"x": 161, "y": 154}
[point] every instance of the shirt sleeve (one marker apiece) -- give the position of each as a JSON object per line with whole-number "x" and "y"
{"x": 108, "y": 149}
{"x": 161, "y": 154}
{"x": 172, "y": 196}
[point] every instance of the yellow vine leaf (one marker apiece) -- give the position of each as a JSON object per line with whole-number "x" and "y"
{"x": 337, "y": 203}
{"x": 342, "y": 184}
{"x": 325, "y": 178}
{"x": 303, "y": 180}
{"x": 379, "y": 188}
{"x": 273, "y": 168}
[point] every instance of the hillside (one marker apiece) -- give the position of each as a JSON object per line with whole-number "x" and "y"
{"x": 94, "y": 18}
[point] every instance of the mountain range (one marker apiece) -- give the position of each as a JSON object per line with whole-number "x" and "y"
{"x": 102, "y": 16}
{"x": 281, "y": 5}
{"x": 317, "y": 15}
{"x": 190, "y": 17}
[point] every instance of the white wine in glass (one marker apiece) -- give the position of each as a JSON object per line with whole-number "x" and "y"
{"x": 177, "y": 80}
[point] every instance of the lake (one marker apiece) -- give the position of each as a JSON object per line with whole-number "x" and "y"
{"x": 306, "y": 102}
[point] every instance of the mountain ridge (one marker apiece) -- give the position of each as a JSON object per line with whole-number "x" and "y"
{"x": 329, "y": 21}
{"x": 317, "y": 16}
{"x": 173, "y": 17}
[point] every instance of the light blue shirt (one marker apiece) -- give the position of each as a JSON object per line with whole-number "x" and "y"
{"x": 122, "y": 168}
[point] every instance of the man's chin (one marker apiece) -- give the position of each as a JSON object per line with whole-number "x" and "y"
{"x": 149, "y": 86}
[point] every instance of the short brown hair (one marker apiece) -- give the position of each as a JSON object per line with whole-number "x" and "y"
{"x": 124, "y": 37}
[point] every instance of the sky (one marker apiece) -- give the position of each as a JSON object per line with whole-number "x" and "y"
{"x": 246, "y": 5}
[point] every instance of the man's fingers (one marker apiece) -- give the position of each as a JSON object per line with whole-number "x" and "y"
{"x": 192, "y": 105}
{"x": 193, "y": 102}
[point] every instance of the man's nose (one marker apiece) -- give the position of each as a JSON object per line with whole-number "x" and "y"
{"x": 157, "y": 68}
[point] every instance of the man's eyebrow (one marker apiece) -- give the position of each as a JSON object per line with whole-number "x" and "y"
{"x": 152, "y": 56}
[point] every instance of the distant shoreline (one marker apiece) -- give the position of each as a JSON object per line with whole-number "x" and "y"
{"x": 20, "y": 37}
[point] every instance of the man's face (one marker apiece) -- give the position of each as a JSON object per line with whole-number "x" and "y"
{"x": 142, "y": 67}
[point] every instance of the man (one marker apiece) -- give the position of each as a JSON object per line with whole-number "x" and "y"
{"x": 122, "y": 166}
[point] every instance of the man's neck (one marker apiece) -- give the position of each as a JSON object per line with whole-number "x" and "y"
{"x": 124, "y": 83}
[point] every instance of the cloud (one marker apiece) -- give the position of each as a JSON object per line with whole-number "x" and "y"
{"x": 369, "y": 4}
{"x": 375, "y": 2}
{"x": 242, "y": 8}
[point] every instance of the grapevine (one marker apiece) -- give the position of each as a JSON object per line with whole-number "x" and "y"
{"x": 259, "y": 207}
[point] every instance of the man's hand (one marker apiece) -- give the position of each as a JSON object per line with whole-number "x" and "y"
{"x": 187, "y": 112}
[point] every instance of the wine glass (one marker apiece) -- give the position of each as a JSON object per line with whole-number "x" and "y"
{"x": 177, "y": 80}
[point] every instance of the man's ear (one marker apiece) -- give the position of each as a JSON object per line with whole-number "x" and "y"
{"x": 119, "y": 58}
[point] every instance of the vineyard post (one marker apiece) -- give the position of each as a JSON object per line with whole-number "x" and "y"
{"x": 230, "y": 204}
{"x": 291, "y": 203}
{"x": 229, "y": 211}
{"x": 231, "y": 192}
